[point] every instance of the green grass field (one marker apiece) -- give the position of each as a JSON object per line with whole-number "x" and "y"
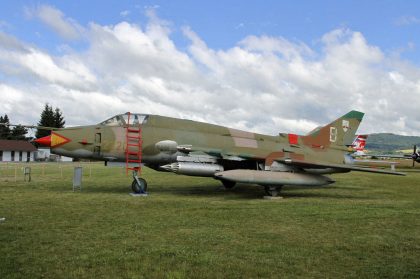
{"x": 363, "y": 226}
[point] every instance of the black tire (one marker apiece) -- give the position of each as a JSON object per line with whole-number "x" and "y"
{"x": 272, "y": 191}
{"x": 228, "y": 184}
{"x": 139, "y": 189}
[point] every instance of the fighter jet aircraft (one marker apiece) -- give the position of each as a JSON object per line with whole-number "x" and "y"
{"x": 200, "y": 149}
{"x": 415, "y": 156}
{"x": 359, "y": 144}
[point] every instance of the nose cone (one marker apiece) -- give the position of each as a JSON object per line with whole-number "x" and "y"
{"x": 53, "y": 140}
{"x": 45, "y": 141}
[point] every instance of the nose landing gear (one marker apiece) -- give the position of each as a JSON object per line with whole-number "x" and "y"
{"x": 139, "y": 185}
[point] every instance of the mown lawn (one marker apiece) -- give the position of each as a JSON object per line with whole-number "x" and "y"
{"x": 363, "y": 226}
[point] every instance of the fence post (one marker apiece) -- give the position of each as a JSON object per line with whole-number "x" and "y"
{"x": 27, "y": 173}
{"x": 77, "y": 178}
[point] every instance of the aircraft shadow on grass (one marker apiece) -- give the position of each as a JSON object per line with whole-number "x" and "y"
{"x": 244, "y": 191}
{"x": 240, "y": 191}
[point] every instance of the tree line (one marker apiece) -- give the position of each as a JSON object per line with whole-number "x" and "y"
{"x": 49, "y": 118}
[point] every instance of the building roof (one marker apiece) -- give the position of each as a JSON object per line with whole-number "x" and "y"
{"x": 16, "y": 145}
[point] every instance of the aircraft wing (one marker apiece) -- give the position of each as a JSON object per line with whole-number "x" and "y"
{"x": 383, "y": 162}
{"x": 298, "y": 163}
{"x": 348, "y": 167}
{"x": 31, "y": 126}
{"x": 218, "y": 153}
{"x": 403, "y": 156}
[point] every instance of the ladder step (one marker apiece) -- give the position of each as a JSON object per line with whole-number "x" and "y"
{"x": 133, "y": 130}
{"x": 133, "y": 161}
{"x": 134, "y": 141}
{"x": 133, "y": 152}
{"x": 134, "y": 137}
{"x": 133, "y": 158}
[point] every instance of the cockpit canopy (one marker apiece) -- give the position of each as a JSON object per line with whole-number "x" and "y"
{"x": 126, "y": 118}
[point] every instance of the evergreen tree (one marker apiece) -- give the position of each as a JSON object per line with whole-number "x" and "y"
{"x": 5, "y": 132}
{"x": 18, "y": 133}
{"x": 58, "y": 119}
{"x": 48, "y": 119}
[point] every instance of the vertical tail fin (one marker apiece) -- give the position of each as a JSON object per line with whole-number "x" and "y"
{"x": 340, "y": 132}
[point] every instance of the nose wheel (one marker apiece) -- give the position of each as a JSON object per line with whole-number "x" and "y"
{"x": 139, "y": 185}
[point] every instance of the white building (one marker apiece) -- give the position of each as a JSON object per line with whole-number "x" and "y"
{"x": 16, "y": 151}
{"x": 44, "y": 154}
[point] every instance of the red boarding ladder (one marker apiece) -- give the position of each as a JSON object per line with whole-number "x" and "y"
{"x": 133, "y": 147}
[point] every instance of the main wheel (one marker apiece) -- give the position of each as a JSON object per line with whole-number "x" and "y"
{"x": 139, "y": 189}
{"x": 228, "y": 184}
{"x": 272, "y": 191}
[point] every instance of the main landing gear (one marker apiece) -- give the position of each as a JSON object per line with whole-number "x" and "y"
{"x": 139, "y": 185}
{"x": 228, "y": 184}
{"x": 272, "y": 191}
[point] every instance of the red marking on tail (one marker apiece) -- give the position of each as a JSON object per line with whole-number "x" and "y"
{"x": 293, "y": 139}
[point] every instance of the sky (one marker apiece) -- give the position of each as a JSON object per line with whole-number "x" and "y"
{"x": 262, "y": 66}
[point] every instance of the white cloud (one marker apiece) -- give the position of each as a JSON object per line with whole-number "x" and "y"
{"x": 31, "y": 63}
{"x": 125, "y": 13}
{"x": 264, "y": 84}
{"x": 406, "y": 20}
{"x": 66, "y": 27}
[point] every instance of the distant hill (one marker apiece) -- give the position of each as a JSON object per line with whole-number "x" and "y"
{"x": 387, "y": 142}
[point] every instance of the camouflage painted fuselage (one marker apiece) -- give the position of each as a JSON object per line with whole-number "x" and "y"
{"x": 201, "y": 149}
{"x": 108, "y": 143}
